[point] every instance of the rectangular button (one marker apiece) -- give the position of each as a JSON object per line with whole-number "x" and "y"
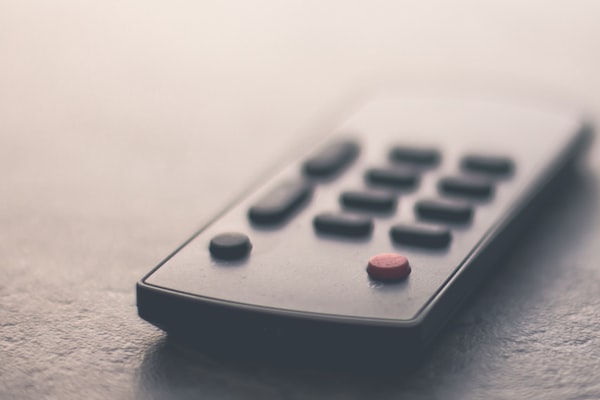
{"x": 392, "y": 178}
{"x": 280, "y": 203}
{"x": 496, "y": 165}
{"x": 331, "y": 159}
{"x": 424, "y": 157}
{"x": 343, "y": 224}
{"x": 422, "y": 235}
{"x": 466, "y": 187}
{"x": 444, "y": 211}
{"x": 376, "y": 201}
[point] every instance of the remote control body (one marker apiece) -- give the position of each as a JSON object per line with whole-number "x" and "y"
{"x": 299, "y": 275}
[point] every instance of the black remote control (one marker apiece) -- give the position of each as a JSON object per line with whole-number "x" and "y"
{"x": 368, "y": 242}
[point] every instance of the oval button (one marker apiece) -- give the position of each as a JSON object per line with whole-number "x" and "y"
{"x": 341, "y": 224}
{"x": 388, "y": 267}
{"x": 466, "y": 187}
{"x": 426, "y": 157}
{"x": 331, "y": 159}
{"x": 230, "y": 246}
{"x": 422, "y": 235}
{"x": 368, "y": 201}
{"x": 495, "y": 165}
{"x": 280, "y": 203}
{"x": 444, "y": 211}
{"x": 392, "y": 178}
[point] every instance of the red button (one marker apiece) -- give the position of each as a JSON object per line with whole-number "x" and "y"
{"x": 388, "y": 267}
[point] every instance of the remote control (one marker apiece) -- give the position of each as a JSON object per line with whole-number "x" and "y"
{"x": 367, "y": 242}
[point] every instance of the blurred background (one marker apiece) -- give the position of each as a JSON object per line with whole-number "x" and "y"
{"x": 126, "y": 124}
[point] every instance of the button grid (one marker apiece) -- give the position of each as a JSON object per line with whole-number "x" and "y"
{"x": 435, "y": 217}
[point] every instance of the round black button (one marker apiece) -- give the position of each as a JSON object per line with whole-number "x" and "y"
{"x": 230, "y": 246}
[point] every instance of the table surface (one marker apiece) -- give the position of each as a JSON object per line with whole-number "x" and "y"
{"x": 114, "y": 116}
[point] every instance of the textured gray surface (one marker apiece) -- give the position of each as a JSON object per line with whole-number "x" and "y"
{"x": 113, "y": 116}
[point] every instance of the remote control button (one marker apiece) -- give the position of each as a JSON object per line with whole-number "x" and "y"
{"x": 343, "y": 224}
{"x": 392, "y": 178}
{"x": 422, "y": 235}
{"x": 388, "y": 267}
{"x": 331, "y": 159}
{"x": 369, "y": 201}
{"x": 280, "y": 202}
{"x": 423, "y": 157}
{"x": 487, "y": 164}
{"x": 466, "y": 187}
{"x": 445, "y": 211}
{"x": 230, "y": 246}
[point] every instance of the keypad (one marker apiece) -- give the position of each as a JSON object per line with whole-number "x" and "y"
{"x": 430, "y": 225}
